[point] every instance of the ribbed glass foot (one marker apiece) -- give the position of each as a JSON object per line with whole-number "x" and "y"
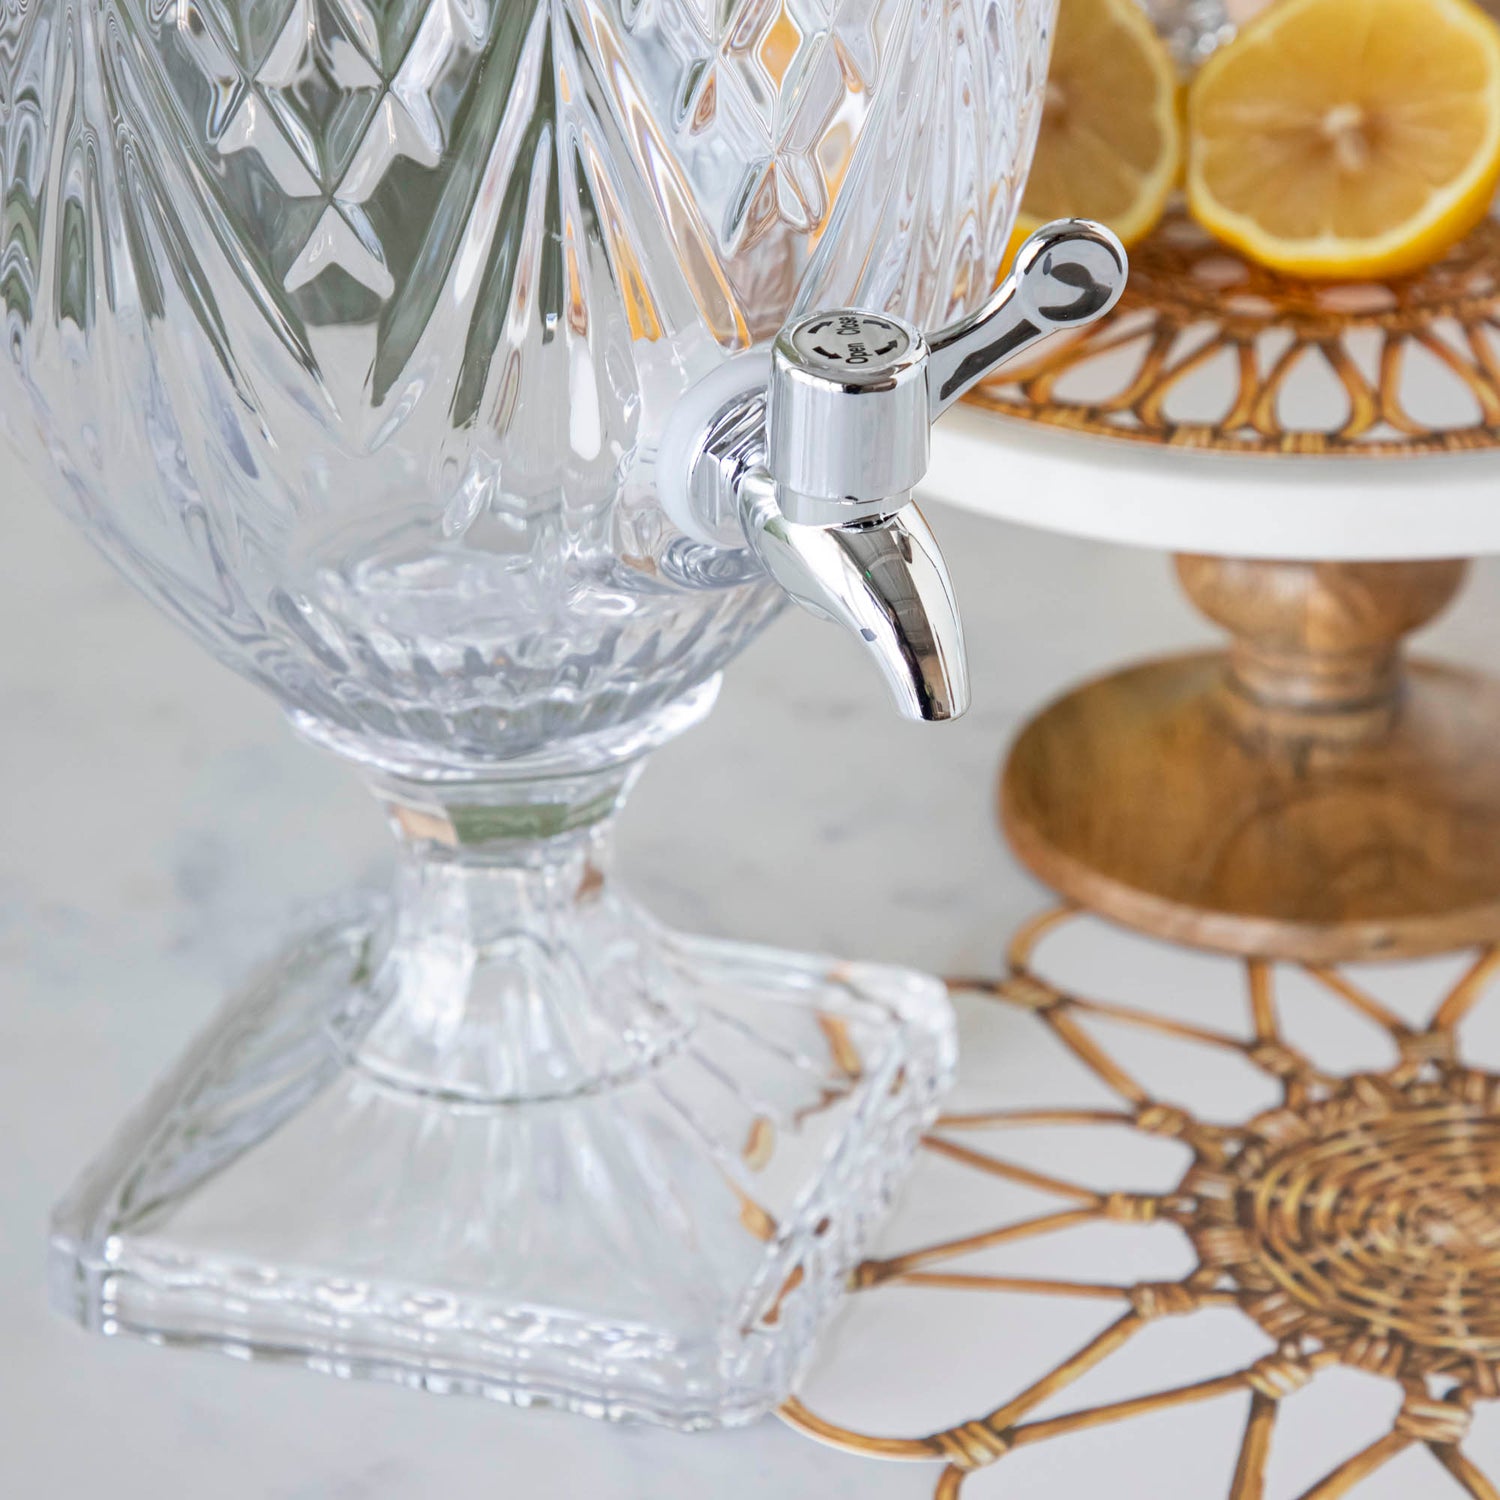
{"x": 662, "y": 1242}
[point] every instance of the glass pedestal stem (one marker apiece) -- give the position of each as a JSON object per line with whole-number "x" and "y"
{"x": 509, "y": 967}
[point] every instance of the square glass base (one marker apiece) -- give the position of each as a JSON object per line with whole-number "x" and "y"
{"x": 663, "y": 1246}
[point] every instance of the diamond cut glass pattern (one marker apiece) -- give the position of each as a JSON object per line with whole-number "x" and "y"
{"x": 348, "y": 329}
{"x": 341, "y": 246}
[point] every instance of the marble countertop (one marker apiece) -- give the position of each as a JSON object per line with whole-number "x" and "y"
{"x": 162, "y": 828}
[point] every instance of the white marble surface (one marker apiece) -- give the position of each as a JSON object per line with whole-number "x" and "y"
{"x": 161, "y": 828}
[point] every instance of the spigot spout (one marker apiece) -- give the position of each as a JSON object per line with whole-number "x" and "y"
{"x": 882, "y": 579}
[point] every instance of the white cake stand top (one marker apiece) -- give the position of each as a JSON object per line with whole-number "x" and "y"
{"x": 1226, "y": 410}
{"x": 1317, "y": 509}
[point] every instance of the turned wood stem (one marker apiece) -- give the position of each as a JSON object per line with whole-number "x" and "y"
{"x": 1317, "y": 645}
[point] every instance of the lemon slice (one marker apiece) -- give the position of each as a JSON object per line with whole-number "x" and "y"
{"x": 1348, "y": 138}
{"x": 1110, "y": 141}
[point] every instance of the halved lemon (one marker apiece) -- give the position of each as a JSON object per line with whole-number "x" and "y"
{"x": 1348, "y": 138}
{"x": 1110, "y": 142}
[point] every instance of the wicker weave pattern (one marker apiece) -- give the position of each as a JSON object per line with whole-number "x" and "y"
{"x": 1207, "y": 350}
{"x": 1357, "y": 1222}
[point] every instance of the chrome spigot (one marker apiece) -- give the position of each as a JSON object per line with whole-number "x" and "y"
{"x": 814, "y": 470}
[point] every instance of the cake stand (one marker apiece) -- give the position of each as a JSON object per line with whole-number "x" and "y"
{"x": 1318, "y": 459}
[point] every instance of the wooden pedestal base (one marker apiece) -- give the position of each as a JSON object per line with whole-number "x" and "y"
{"x": 1302, "y": 796}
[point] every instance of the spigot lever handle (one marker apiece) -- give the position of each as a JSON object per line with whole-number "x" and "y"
{"x": 1066, "y": 275}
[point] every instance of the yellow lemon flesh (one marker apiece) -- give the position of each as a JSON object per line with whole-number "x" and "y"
{"x": 1348, "y": 138}
{"x": 1110, "y": 141}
